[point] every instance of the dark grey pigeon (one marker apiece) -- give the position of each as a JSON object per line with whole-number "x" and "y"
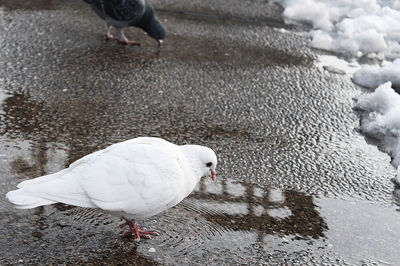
{"x": 124, "y": 13}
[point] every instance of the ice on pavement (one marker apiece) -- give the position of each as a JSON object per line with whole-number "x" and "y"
{"x": 334, "y": 64}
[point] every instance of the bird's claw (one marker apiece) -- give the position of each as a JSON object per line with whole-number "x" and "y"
{"x": 136, "y": 232}
{"x": 127, "y": 42}
{"x": 144, "y": 233}
{"x": 137, "y": 239}
{"x": 140, "y": 234}
{"x": 109, "y": 37}
{"x": 123, "y": 225}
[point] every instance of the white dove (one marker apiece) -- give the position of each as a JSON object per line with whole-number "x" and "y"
{"x": 134, "y": 179}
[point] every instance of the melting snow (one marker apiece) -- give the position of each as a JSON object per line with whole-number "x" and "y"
{"x": 360, "y": 28}
{"x": 351, "y": 27}
{"x": 373, "y": 76}
{"x": 381, "y": 119}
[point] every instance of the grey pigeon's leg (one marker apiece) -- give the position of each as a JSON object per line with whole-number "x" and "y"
{"x": 123, "y": 39}
{"x": 109, "y": 36}
{"x": 135, "y": 231}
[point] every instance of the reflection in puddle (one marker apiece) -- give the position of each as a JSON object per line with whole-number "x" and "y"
{"x": 280, "y": 213}
{"x": 46, "y": 158}
{"x": 249, "y": 207}
{"x": 233, "y": 209}
{"x": 235, "y": 189}
{"x": 275, "y": 196}
{"x": 68, "y": 127}
{"x": 258, "y": 210}
{"x": 84, "y": 126}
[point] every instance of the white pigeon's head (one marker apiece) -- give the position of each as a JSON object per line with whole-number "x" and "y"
{"x": 203, "y": 158}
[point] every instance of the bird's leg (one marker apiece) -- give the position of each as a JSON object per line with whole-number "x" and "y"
{"x": 135, "y": 231}
{"x": 123, "y": 39}
{"x": 109, "y": 36}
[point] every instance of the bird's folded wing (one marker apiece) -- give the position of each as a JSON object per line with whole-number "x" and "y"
{"x": 142, "y": 182}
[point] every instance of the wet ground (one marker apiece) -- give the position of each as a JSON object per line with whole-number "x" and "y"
{"x": 296, "y": 183}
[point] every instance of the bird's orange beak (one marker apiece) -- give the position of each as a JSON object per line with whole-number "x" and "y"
{"x": 213, "y": 176}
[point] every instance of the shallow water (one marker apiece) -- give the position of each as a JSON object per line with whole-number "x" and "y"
{"x": 296, "y": 182}
{"x": 223, "y": 222}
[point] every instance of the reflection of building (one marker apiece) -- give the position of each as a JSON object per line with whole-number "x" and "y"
{"x": 248, "y": 207}
{"x": 68, "y": 127}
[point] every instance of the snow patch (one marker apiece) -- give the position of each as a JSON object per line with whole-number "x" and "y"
{"x": 333, "y": 64}
{"x": 381, "y": 119}
{"x": 355, "y": 27}
{"x": 373, "y": 76}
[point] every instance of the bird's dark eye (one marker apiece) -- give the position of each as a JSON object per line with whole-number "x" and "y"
{"x": 209, "y": 164}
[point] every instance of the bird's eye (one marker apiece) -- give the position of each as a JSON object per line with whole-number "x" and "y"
{"x": 209, "y": 164}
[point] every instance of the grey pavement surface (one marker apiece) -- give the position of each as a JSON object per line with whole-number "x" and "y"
{"x": 296, "y": 183}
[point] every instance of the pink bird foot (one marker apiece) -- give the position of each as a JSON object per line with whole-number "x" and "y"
{"x": 135, "y": 231}
{"x": 127, "y": 42}
{"x": 109, "y": 37}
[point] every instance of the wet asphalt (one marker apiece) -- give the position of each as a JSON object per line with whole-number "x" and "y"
{"x": 297, "y": 183}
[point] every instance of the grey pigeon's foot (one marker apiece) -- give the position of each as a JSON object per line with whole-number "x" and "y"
{"x": 122, "y": 38}
{"x": 135, "y": 231}
{"x": 127, "y": 42}
{"x": 109, "y": 36}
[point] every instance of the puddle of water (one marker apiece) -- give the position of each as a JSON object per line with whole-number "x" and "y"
{"x": 361, "y": 230}
{"x": 222, "y": 221}
{"x": 228, "y": 217}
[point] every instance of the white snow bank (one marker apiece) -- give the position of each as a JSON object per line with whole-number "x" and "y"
{"x": 373, "y": 76}
{"x": 381, "y": 119}
{"x": 353, "y": 27}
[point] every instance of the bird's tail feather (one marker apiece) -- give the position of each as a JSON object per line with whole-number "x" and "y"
{"x": 41, "y": 179}
{"x": 23, "y": 200}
